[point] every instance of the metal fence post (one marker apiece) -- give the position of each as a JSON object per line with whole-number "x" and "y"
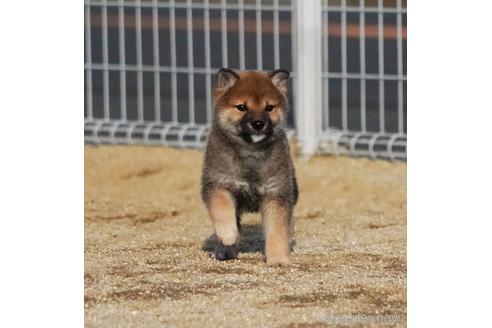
{"x": 309, "y": 75}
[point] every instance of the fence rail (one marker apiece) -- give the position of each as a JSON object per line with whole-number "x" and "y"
{"x": 149, "y": 68}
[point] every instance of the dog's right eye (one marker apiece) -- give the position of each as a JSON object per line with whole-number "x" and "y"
{"x": 242, "y": 108}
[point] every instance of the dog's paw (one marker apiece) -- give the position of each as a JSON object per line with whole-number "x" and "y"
{"x": 228, "y": 236}
{"x": 278, "y": 261}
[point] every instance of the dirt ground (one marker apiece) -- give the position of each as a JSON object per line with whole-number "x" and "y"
{"x": 148, "y": 238}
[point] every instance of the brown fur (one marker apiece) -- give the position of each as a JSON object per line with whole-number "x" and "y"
{"x": 247, "y": 166}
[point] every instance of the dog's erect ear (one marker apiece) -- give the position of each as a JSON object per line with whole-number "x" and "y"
{"x": 225, "y": 78}
{"x": 279, "y": 79}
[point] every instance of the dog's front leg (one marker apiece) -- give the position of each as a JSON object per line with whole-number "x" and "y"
{"x": 276, "y": 227}
{"x": 222, "y": 210}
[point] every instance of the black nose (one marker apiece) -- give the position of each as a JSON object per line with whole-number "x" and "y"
{"x": 258, "y": 125}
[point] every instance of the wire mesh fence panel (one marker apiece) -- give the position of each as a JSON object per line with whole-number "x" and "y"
{"x": 149, "y": 69}
{"x": 364, "y": 78}
{"x": 149, "y": 65}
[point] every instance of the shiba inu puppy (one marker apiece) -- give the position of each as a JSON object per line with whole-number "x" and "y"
{"x": 247, "y": 166}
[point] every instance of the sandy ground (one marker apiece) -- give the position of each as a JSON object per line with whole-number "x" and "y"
{"x": 148, "y": 237}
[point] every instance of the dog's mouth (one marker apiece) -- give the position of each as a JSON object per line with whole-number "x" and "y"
{"x": 255, "y": 138}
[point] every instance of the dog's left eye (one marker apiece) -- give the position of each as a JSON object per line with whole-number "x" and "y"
{"x": 269, "y": 108}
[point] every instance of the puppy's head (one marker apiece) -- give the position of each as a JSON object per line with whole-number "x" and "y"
{"x": 250, "y": 106}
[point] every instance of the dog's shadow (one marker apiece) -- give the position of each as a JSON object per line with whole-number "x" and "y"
{"x": 251, "y": 240}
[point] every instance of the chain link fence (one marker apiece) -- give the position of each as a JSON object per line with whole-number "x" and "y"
{"x": 149, "y": 68}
